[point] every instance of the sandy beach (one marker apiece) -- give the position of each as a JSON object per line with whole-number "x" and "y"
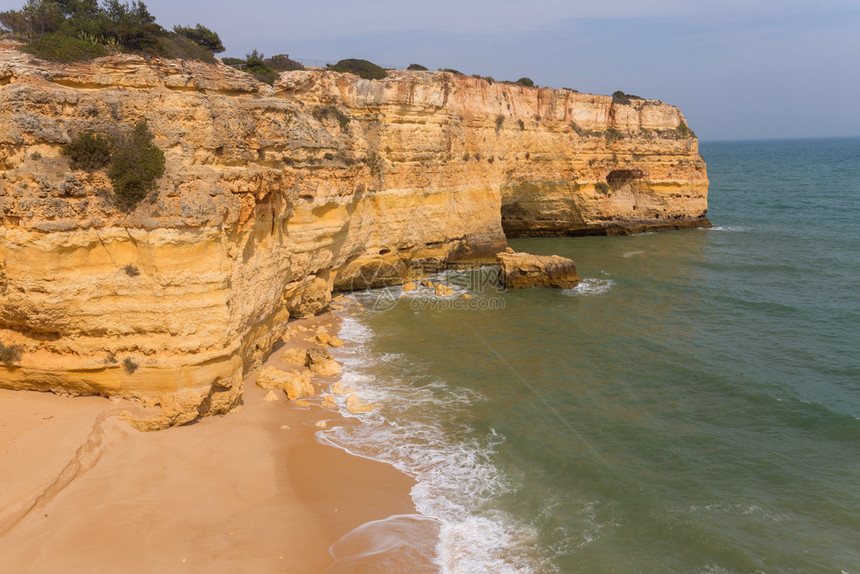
{"x": 254, "y": 491}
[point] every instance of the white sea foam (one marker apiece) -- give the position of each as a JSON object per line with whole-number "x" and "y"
{"x": 591, "y": 287}
{"x": 456, "y": 480}
{"x": 728, "y": 228}
{"x": 472, "y": 282}
{"x": 742, "y": 509}
{"x": 387, "y": 546}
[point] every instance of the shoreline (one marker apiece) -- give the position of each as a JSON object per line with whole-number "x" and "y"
{"x": 254, "y": 490}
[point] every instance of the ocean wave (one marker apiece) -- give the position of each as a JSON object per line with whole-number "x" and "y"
{"x": 591, "y": 287}
{"x": 743, "y": 510}
{"x": 392, "y": 545}
{"x": 728, "y": 228}
{"x": 457, "y": 483}
{"x": 471, "y": 282}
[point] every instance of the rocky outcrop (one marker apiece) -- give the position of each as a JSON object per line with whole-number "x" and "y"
{"x": 523, "y": 270}
{"x": 297, "y": 384}
{"x": 273, "y": 197}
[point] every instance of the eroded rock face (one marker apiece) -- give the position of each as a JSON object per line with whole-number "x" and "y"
{"x": 523, "y": 270}
{"x": 275, "y": 196}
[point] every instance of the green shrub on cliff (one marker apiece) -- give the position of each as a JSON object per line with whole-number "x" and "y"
{"x": 135, "y": 163}
{"x": 620, "y": 97}
{"x": 129, "y": 365}
{"x": 264, "y": 69}
{"x": 64, "y": 48}
{"x": 237, "y": 63}
{"x": 255, "y": 64}
{"x": 684, "y": 131}
{"x": 88, "y": 151}
{"x": 202, "y": 36}
{"x": 361, "y": 68}
{"x": 417, "y": 68}
{"x": 527, "y": 82}
{"x": 136, "y": 166}
{"x": 324, "y": 112}
{"x": 9, "y": 354}
{"x": 283, "y": 63}
{"x": 70, "y": 30}
{"x": 181, "y": 48}
{"x": 612, "y": 134}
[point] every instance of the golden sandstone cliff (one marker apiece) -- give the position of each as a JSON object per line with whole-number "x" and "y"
{"x": 273, "y": 197}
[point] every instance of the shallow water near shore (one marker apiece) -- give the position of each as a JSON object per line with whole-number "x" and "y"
{"x": 693, "y": 406}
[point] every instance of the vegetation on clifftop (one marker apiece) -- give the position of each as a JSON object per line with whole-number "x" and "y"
{"x": 72, "y": 30}
{"x": 527, "y": 82}
{"x": 264, "y": 69}
{"x": 255, "y": 64}
{"x": 621, "y": 98}
{"x": 361, "y": 68}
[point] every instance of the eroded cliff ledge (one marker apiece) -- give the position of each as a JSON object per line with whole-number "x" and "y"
{"x": 275, "y": 196}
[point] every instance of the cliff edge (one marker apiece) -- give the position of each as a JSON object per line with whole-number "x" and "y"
{"x": 274, "y": 196}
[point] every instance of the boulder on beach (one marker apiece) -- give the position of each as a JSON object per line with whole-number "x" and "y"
{"x": 324, "y": 338}
{"x": 428, "y": 283}
{"x": 322, "y": 363}
{"x": 409, "y": 287}
{"x": 522, "y": 270}
{"x": 294, "y": 355}
{"x": 271, "y": 378}
{"x": 444, "y": 290}
{"x": 299, "y": 385}
{"x": 296, "y": 384}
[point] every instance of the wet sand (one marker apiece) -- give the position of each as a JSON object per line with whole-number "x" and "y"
{"x": 254, "y": 491}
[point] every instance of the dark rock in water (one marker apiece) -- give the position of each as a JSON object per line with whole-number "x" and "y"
{"x": 521, "y": 270}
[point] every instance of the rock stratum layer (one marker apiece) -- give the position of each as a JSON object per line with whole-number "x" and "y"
{"x": 273, "y": 197}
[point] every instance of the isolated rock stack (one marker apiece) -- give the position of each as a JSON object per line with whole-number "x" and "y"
{"x": 522, "y": 270}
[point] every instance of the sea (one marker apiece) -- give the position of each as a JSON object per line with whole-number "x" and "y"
{"x": 692, "y": 406}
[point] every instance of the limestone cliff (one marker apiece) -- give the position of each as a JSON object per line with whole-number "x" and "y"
{"x": 275, "y": 196}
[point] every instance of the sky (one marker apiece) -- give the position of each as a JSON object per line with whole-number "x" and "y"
{"x": 753, "y": 69}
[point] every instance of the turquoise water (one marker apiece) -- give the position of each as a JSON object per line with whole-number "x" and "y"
{"x": 694, "y": 406}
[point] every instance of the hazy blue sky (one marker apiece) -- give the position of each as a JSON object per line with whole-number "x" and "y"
{"x": 738, "y": 69}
